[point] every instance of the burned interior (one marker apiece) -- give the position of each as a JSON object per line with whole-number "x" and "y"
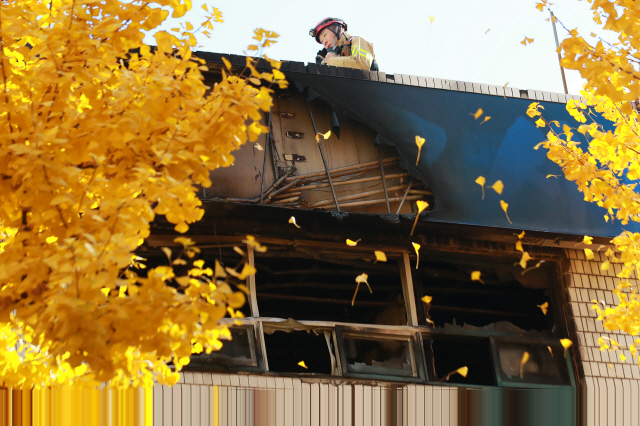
{"x": 307, "y": 315}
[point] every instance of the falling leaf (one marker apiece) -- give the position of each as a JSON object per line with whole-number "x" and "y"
{"x": 416, "y": 247}
{"x": 487, "y": 32}
{"x": 105, "y": 291}
{"x": 589, "y": 254}
{"x": 258, "y": 147}
{"x": 427, "y": 299}
{"x": 463, "y": 371}
{"x": 481, "y": 181}
{"x": 544, "y": 307}
{"x": 605, "y": 265}
{"x": 422, "y": 205}
{"x": 431, "y": 18}
{"x": 587, "y": 240}
{"x": 303, "y": 365}
{"x": 525, "y": 258}
{"x": 526, "y": 41}
{"x": 167, "y": 252}
{"x": 555, "y": 176}
{"x": 537, "y": 265}
{"x": 419, "y": 142}
{"x": 519, "y": 246}
{"x": 521, "y": 235}
{"x": 477, "y": 114}
{"x": 324, "y": 136}
{"x": 293, "y": 220}
{"x": 486, "y": 118}
{"x": 352, "y": 243}
{"x": 475, "y": 276}
{"x": 380, "y": 256}
{"x": 623, "y": 358}
{"x": 498, "y": 187}
{"x": 550, "y": 351}
{"x": 362, "y": 278}
{"x": 523, "y": 361}
{"x": 504, "y": 207}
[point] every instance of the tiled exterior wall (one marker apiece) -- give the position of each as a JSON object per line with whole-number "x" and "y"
{"x": 611, "y": 387}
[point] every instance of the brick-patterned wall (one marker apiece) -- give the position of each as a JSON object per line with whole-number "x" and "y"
{"x": 611, "y": 387}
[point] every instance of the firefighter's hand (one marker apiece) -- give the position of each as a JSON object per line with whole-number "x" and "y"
{"x": 330, "y": 55}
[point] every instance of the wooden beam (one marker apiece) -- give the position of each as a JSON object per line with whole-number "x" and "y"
{"x": 407, "y": 286}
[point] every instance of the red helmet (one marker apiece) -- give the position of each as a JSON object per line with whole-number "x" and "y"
{"x": 315, "y": 31}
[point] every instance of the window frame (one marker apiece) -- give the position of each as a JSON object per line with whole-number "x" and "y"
{"x": 415, "y": 347}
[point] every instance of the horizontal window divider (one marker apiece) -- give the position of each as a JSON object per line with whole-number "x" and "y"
{"x": 386, "y": 329}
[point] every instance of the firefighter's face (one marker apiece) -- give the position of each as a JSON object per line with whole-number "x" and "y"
{"x": 327, "y": 38}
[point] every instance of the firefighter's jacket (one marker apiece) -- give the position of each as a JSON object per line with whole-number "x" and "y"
{"x": 358, "y": 53}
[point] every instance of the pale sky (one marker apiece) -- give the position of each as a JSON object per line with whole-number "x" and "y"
{"x": 455, "y": 46}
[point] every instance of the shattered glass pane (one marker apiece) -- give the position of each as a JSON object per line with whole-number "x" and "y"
{"x": 545, "y": 364}
{"x": 379, "y": 355}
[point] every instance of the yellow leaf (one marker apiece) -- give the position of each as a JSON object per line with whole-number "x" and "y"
{"x": 463, "y": 371}
{"x": 555, "y": 176}
{"x": 242, "y": 275}
{"x": 587, "y": 240}
{"x": 422, "y": 205}
{"x": 303, "y": 365}
{"x": 226, "y": 63}
{"x": 419, "y": 142}
{"x": 477, "y": 114}
{"x": 51, "y": 240}
{"x": 198, "y": 263}
{"x": 326, "y": 135}
{"x": 523, "y": 361}
{"x": 475, "y": 276}
{"x": 504, "y": 207}
{"x": 105, "y": 291}
{"x": 498, "y": 187}
{"x": 352, "y": 243}
{"x": 521, "y": 235}
{"x": 623, "y": 358}
{"x": 566, "y": 344}
{"x": 258, "y": 147}
{"x": 431, "y": 18}
{"x": 550, "y": 351}
{"x": 605, "y": 265}
{"x": 293, "y": 220}
{"x": 182, "y": 227}
{"x": 540, "y": 123}
{"x": 486, "y": 118}
{"x": 80, "y": 370}
{"x": 380, "y": 256}
{"x": 416, "y": 247}
{"x": 481, "y": 181}
{"x": 526, "y": 41}
{"x": 362, "y": 278}
{"x": 544, "y": 307}
{"x": 525, "y": 258}
{"x": 427, "y": 299}
{"x": 519, "y": 246}
{"x": 122, "y": 291}
{"x": 588, "y": 254}
{"x": 487, "y": 32}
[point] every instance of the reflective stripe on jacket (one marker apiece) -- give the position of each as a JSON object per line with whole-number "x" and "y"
{"x": 361, "y": 54}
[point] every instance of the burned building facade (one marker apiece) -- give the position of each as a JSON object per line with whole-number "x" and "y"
{"x": 451, "y": 293}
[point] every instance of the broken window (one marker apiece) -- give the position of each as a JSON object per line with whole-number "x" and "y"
{"x": 545, "y": 362}
{"x": 238, "y": 353}
{"x": 300, "y": 352}
{"x": 446, "y": 354}
{"x": 312, "y": 284}
{"x": 372, "y": 353}
{"x": 505, "y": 300}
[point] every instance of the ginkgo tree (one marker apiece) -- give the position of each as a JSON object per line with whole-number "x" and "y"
{"x": 606, "y": 170}
{"x": 100, "y": 134}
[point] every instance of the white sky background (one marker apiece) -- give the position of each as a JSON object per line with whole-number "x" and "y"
{"x": 454, "y": 46}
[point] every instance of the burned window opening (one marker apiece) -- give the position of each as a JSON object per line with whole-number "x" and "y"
{"x": 320, "y": 286}
{"x": 447, "y": 354}
{"x": 286, "y": 350}
{"x": 501, "y": 303}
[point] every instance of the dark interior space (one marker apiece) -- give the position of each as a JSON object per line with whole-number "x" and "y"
{"x": 317, "y": 286}
{"x": 449, "y": 354}
{"x": 378, "y": 355}
{"x": 506, "y": 301}
{"x": 286, "y": 349}
{"x": 545, "y": 364}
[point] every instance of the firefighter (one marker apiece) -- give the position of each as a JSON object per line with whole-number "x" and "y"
{"x": 341, "y": 49}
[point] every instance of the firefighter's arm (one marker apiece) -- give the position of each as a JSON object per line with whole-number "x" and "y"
{"x": 361, "y": 56}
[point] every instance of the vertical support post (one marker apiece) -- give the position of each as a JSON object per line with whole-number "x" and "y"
{"x": 264, "y": 162}
{"x": 384, "y": 182}
{"x": 324, "y": 160}
{"x": 253, "y": 301}
{"x": 407, "y": 287}
{"x": 405, "y": 195}
{"x": 555, "y": 35}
